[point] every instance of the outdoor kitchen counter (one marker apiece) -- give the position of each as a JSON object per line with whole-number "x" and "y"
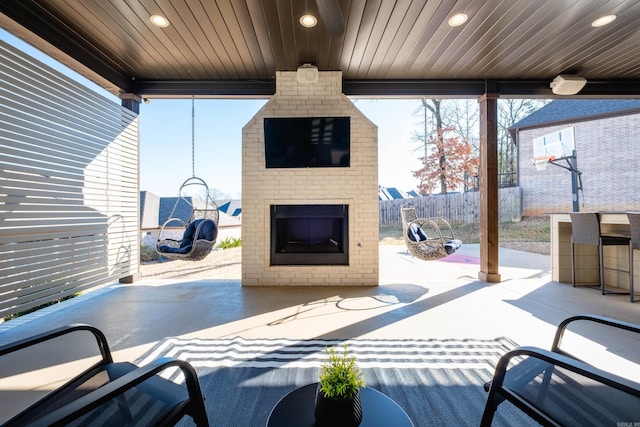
{"x": 611, "y": 224}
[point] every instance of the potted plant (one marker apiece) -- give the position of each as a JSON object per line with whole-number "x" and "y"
{"x": 338, "y": 395}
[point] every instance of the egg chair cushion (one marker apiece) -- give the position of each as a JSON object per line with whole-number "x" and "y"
{"x": 208, "y": 231}
{"x": 416, "y": 234}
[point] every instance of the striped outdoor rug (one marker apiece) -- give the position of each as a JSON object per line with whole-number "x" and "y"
{"x": 437, "y": 382}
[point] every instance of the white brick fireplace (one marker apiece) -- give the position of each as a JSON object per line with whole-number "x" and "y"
{"x": 352, "y": 189}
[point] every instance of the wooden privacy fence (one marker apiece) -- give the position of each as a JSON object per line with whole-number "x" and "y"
{"x": 457, "y": 208}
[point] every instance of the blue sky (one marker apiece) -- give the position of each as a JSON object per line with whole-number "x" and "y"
{"x": 165, "y": 134}
{"x": 165, "y": 137}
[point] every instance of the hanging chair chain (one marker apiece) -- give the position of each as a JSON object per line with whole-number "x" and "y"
{"x": 193, "y": 138}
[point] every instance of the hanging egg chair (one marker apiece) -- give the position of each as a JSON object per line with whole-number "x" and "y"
{"x": 427, "y": 239}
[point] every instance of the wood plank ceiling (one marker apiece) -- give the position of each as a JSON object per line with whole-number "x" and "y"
{"x": 387, "y": 47}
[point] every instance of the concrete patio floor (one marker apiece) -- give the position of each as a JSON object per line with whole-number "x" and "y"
{"x": 415, "y": 299}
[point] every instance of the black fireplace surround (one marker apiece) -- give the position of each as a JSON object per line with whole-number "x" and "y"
{"x": 310, "y": 234}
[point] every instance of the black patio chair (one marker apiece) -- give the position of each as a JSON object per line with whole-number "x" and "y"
{"x": 556, "y": 388}
{"x": 113, "y": 393}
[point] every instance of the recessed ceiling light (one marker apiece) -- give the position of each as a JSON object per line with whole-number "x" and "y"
{"x": 458, "y": 19}
{"x": 603, "y": 20}
{"x": 159, "y": 21}
{"x": 308, "y": 21}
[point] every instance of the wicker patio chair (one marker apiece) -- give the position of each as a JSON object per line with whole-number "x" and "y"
{"x": 200, "y": 232}
{"x": 197, "y": 241}
{"x": 427, "y": 238}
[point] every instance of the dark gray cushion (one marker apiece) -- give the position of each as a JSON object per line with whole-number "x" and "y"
{"x": 416, "y": 233}
{"x": 452, "y": 245}
{"x": 208, "y": 231}
{"x": 187, "y": 236}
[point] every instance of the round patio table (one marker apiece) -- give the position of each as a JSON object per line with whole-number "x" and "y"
{"x": 296, "y": 409}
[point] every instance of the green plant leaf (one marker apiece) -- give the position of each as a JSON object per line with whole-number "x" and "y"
{"x": 340, "y": 377}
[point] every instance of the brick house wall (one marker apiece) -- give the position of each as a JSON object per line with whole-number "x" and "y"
{"x": 607, "y": 156}
{"x": 356, "y": 186}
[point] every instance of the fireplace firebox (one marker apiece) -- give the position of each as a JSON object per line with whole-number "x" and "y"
{"x": 309, "y": 234}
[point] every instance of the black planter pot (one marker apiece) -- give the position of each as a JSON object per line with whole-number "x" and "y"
{"x": 337, "y": 412}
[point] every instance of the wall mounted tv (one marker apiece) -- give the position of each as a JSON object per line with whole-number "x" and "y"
{"x": 307, "y": 142}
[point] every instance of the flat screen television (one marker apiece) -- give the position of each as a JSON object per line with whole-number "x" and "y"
{"x": 307, "y": 142}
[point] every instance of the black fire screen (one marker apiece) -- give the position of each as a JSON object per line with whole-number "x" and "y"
{"x": 309, "y": 235}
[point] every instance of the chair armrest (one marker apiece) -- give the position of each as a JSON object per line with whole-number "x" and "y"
{"x": 539, "y": 361}
{"x": 118, "y": 386}
{"x": 64, "y": 330}
{"x": 567, "y": 363}
{"x": 166, "y": 241}
{"x": 177, "y": 220}
{"x": 627, "y": 326}
{"x": 445, "y": 228}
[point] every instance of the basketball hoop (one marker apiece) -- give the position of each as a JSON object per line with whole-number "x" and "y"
{"x": 540, "y": 162}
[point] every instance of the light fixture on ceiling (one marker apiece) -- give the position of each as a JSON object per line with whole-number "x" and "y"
{"x": 146, "y": 100}
{"x": 458, "y": 19}
{"x": 603, "y": 20}
{"x": 567, "y": 84}
{"x": 159, "y": 21}
{"x": 308, "y": 21}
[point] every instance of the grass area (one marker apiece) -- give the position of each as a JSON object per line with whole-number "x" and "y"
{"x": 148, "y": 254}
{"x": 529, "y": 229}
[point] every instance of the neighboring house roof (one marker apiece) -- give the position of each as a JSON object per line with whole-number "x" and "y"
{"x": 231, "y": 207}
{"x": 572, "y": 110}
{"x": 148, "y": 215}
{"x": 391, "y": 193}
{"x": 182, "y": 211}
{"x": 226, "y": 220}
{"x": 383, "y": 194}
{"x": 155, "y": 211}
{"x": 149, "y": 207}
{"x": 395, "y": 193}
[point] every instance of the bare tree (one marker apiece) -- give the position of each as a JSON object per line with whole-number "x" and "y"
{"x": 460, "y": 119}
{"x": 214, "y": 195}
{"x": 464, "y": 117}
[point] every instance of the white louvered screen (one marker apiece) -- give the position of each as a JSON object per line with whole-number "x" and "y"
{"x": 68, "y": 186}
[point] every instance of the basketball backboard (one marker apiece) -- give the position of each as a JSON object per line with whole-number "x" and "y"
{"x": 556, "y": 145}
